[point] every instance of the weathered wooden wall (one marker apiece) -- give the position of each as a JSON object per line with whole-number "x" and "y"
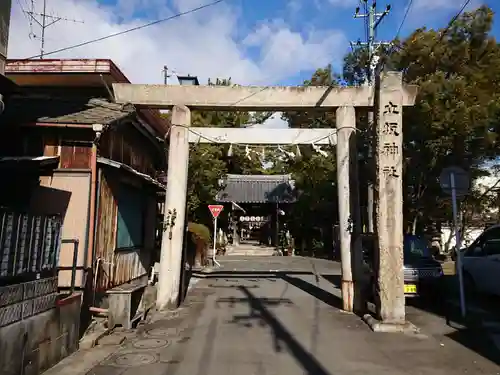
{"x": 106, "y": 233}
{"x": 127, "y": 145}
{"x": 118, "y": 266}
{"x": 124, "y": 144}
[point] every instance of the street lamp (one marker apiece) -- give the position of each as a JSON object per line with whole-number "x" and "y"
{"x": 188, "y": 80}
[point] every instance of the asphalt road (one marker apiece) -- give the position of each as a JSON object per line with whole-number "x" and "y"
{"x": 280, "y": 315}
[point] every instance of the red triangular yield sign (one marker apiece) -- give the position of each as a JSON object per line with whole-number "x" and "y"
{"x": 215, "y": 209}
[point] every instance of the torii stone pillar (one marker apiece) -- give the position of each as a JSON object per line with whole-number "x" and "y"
{"x": 175, "y": 209}
{"x": 348, "y": 207}
{"x": 388, "y": 194}
{"x": 240, "y": 98}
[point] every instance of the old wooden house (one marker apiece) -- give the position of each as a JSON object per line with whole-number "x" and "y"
{"x": 110, "y": 163}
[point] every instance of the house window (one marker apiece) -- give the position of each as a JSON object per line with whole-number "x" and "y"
{"x": 130, "y": 226}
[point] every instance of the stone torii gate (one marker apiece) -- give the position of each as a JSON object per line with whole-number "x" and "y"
{"x": 389, "y": 100}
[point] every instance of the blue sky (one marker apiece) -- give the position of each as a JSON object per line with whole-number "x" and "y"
{"x": 326, "y": 16}
{"x": 261, "y": 42}
{"x": 252, "y": 41}
{"x": 304, "y": 16}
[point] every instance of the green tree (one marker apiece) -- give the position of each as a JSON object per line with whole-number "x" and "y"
{"x": 315, "y": 211}
{"x": 209, "y": 162}
{"x": 455, "y": 118}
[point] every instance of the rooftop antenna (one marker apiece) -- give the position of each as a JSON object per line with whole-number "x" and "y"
{"x": 43, "y": 20}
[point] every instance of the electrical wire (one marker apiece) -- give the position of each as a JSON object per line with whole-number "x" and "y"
{"x": 407, "y": 11}
{"x": 454, "y": 19}
{"x": 128, "y": 30}
{"x": 25, "y": 14}
{"x": 445, "y": 31}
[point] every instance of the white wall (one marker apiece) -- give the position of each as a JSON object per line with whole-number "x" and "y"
{"x": 469, "y": 236}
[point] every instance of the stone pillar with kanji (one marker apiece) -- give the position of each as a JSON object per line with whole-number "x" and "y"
{"x": 389, "y": 198}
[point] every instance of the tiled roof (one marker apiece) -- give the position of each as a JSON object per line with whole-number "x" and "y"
{"x": 73, "y": 110}
{"x": 257, "y": 189}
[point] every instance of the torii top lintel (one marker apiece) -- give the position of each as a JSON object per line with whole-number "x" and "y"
{"x": 252, "y": 98}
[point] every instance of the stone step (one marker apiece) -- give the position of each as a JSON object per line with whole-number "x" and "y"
{"x": 250, "y": 251}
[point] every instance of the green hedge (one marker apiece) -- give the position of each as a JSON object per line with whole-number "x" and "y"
{"x": 200, "y": 233}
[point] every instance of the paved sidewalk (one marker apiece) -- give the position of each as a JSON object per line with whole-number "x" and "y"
{"x": 280, "y": 315}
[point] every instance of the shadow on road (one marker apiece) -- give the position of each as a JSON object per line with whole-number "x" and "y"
{"x": 314, "y": 291}
{"x": 336, "y": 280}
{"x": 290, "y": 277}
{"x": 282, "y": 338}
{"x": 469, "y": 332}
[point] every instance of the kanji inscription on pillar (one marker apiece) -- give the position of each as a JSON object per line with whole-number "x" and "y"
{"x": 390, "y": 141}
{"x": 389, "y": 198}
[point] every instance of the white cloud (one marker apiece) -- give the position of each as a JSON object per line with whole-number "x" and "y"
{"x": 203, "y": 44}
{"x": 206, "y": 43}
{"x": 344, "y": 3}
{"x": 430, "y": 5}
{"x": 322, "y": 5}
{"x": 294, "y": 6}
{"x": 279, "y": 44}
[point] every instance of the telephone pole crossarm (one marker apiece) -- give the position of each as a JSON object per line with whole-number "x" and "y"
{"x": 374, "y": 19}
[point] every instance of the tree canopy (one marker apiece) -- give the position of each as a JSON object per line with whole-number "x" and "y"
{"x": 209, "y": 162}
{"x": 455, "y": 121}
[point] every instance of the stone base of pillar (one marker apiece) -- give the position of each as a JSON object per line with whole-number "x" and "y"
{"x": 378, "y": 326}
{"x": 169, "y": 306}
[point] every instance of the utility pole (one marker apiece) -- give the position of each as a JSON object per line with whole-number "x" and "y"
{"x": 372, "y": 21}
{"x": 43, "y": 20}
{"x": 166, "y": 76}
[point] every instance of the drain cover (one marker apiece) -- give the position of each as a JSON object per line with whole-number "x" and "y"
{"x": 163, "y": 332}
{"x": 134, "y": 359}
{"x": 173, "y": 314}
{"x": 151, "y": 344}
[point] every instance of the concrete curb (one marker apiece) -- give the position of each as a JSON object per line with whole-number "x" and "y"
{"x": 204, "y": 272}
{"x": 377, "y": 326}
{"x": 92, "y": 339}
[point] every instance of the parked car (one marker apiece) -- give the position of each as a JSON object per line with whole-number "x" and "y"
{"x": 423, "y": 275}
{"x": 481, "y": 263}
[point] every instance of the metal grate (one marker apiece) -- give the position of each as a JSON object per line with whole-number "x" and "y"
{"x": 430, "y": 272}
{"x": 28, "y": 243}
{"x": 421, "y": 273}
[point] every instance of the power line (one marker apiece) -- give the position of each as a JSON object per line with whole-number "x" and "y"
{"x": 23, "y": 11}
{"x": 443, "y": 33}
{"x": 129, "y": 30}
{"x": 453, "y": 20}
{"x": 407, "y": 11}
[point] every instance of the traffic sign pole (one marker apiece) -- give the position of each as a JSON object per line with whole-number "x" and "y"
{"x": 457, "y": 244}
{"x": 215, "y": 243}
{"x": 215, "y": 209}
